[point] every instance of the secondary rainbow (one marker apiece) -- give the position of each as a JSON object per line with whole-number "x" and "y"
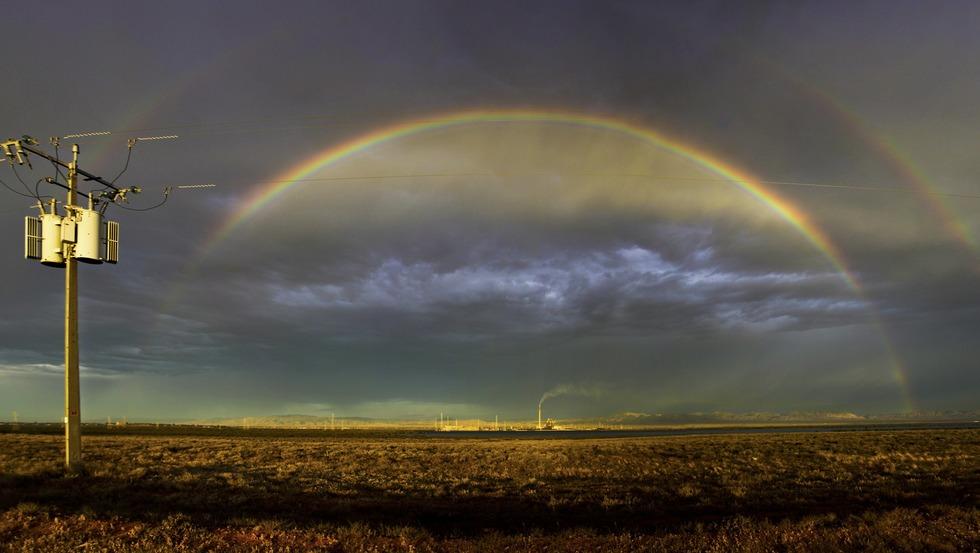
{"x": 885, "y": 149}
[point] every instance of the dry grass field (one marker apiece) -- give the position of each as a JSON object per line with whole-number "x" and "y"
{"x": 878, "y": 491}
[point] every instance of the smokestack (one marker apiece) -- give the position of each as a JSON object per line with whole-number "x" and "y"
{"x": 539, "y": 413}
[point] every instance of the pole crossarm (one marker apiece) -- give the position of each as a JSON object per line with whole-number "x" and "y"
{"x": 88, "y": 176}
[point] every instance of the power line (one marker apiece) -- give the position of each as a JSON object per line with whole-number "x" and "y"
{"x": 8, "y": 187}
{"x": 20, "y": 209}
{"x": 189, "y": 126}
{"x": 247, "y": 126}
{"x": 166, "y": 195}
{"x": 129, "y": 156}
{"x": 820, "y": 185}
{"x": 797, "y": 184}
{"x": 24, "y": 184}
{"x": 905, "y": 190}
{"x": 37, "y": 193}
{"x": 57, "y": 157}
{"x": 219, "y": 129}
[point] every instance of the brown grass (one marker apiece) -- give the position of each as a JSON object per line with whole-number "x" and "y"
{"x": 884, "y": 491}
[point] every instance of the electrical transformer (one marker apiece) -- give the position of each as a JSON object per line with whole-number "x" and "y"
{"x": 88, "y": 236}
{"x": 51, "y": 237}
{"x": 95, "y": 239}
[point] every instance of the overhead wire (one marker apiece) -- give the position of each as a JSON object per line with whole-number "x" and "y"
{"x": 259, "y": 125}
{"x": 13, "y": 209}
{"x": 625, "y": 175}
{"x": 166, "y": 196}
{"x": 245, "y": 126}
{"x": 226, "y": 127}
{"x": 260, "y": 120}
{"x": 8, "y": 187}
{"x": 263, "y": 125}
{"x": 799, "y": 184}
{"x": 37, "y": 192}
{"x": 57, "y": 157}
{"x": 129, "y": 155}
{"x": 819, "y": 185}
{"x": 26, "y": 188}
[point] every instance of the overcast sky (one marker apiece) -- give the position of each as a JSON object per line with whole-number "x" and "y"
{"x": 541, "y": 263}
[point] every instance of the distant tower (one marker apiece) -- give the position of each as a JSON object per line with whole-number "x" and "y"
{"x": 539, "y": 415}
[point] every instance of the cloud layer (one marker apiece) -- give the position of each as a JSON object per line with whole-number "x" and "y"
{"x": 567, "y": 255}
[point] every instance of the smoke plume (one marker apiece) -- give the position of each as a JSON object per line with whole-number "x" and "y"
{"x": 570, "y": 390}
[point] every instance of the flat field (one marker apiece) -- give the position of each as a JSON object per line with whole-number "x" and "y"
{"x": 880, "y": 491}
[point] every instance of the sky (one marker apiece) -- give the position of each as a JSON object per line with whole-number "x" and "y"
{"x": 595, "y": 199}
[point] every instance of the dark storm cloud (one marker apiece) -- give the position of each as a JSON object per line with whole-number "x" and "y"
{"x": 397, "y": 298}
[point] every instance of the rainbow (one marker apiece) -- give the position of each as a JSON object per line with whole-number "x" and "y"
{"x": 264, "y": 195}
{"x": 899, "y": 163}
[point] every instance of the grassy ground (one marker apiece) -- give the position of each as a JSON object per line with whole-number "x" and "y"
{"x": 885, "y": 491}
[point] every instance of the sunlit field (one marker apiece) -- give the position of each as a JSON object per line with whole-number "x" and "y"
{"x": 880, "y": 491}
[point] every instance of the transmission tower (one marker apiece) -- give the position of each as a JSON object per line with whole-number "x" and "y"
{"x": 59, "y": 240}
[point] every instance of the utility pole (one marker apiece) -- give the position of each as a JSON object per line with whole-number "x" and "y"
{"x": 73, "y": 407}
{"x": 61, "y": 241}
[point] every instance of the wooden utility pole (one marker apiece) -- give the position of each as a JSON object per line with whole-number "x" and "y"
{"x": 73, "y": 408}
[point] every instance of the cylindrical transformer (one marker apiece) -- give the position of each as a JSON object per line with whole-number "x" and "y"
{"x": 88, "y": 244}
{"x": 51, "y": 240}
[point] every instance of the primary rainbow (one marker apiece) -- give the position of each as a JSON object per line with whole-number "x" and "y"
{"x": 263, "y": 195}
{"x": 791, "y": 214}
